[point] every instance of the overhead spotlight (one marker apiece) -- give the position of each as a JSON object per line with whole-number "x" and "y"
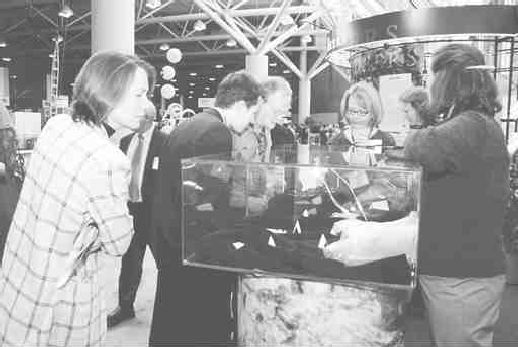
{"x": 273, "y": 64}
{"x": 58, "y": 38}
{"x": 306, "y": 39}
{"x": 199, "y": 25}
{"x": 164, "y": 47}
{"x": 219, "y": 66}
{"x": 193, "y": 74}
{"x": 231, "y": 43}
{"x": 152, "y": 4}
{"x": 66, "y": 12}
{"x": 7, "y": 59}
{"x": 14, "y": 77}
{"x": 207, "y": 88}
{"x": 286, "y": 71}
{"x": 287, "y": 20}
{"x": 192, "y": 84}
{"x": 3, "y": 43}
{"x": 212, "y": 78}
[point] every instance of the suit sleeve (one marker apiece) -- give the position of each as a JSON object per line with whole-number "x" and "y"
{"x": 107, "y": 186}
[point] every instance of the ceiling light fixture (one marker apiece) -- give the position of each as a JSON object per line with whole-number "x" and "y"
{"x": 212, "y": 78}
{"x": 193, "y": 74}
{"x": 219, "y": 66}
{"x": 306, "y": 39}
{"x": 152, "y": 4}
{"x": 287, "y": 20}
{"x": 231, "y": 43}
{"x": 58, "y": 38}
{"x": 66, "y": 12}
{"x": 3, "y": 43}
{"x": 7, "y": 59}
{"x": 164, "y": 47}
{"x": 199, "y": 25}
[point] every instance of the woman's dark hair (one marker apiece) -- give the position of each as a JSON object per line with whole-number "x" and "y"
{"x": 102, "y": 82}
{"x": 238, "y": 86}
{"x": 462, "y": 81}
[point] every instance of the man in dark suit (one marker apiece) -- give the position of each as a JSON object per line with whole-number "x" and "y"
{"x": 193, "y": 305}
{"x": 142, "y": 149}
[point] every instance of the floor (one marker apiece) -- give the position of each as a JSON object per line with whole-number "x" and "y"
{"x": 136, "y": 332}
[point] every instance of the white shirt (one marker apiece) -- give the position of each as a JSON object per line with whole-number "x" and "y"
{"x": 131, "y": 151}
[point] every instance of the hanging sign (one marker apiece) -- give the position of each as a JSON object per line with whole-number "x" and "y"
{"x": 490, "y": 19}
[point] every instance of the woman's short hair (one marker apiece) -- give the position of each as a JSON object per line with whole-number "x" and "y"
{"x": 366, "y": 92}
{"x": 273, "y": 84}
{"x": 462, "y": 81}
{"x": 102, "y": 82}
{"x": 238, "y": 86}
{"x": 417, "y": 97}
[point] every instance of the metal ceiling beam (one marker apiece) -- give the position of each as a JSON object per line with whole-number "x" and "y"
{"x": 15, "y": 4}
{"x": 273, "y": 26}
{"x": 287, "y": 61}
{"x": 190, "y": 17}
{"x": 290, "y": 32}
{"x": 227, "y": 25}
{"x": 40, "y": 51}
{"x": 151, "y": 13}
{"x": 232, "y": 13}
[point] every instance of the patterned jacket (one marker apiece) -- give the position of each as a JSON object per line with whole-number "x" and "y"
{"x": 73, "y": 204}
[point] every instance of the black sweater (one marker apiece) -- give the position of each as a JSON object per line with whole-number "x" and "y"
{"x": 464, "y": 195}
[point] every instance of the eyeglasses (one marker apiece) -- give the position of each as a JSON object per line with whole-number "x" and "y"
{"x": 361, "y": 112}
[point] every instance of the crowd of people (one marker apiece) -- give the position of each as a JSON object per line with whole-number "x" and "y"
{"x": 85, "y": 193}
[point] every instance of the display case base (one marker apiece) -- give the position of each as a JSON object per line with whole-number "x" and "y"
{"x": 287, "y": 312}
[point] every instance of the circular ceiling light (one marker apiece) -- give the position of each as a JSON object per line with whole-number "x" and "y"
{"x": 168, "y": 72}
{"x": 173, "y": 55}
{"x": 167, "y": 91}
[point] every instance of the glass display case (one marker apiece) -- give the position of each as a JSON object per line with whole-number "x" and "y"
{"x": 308, "y": 213}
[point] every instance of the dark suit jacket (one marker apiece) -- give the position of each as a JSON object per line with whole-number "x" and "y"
{"x": 204, "y": 134}
{"x": 142, "y": 211}
{"x": 191, "y": 304}
{"x": 282, "y": 136}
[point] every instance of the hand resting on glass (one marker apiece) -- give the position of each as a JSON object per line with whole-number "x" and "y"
{"x": 364, "y": 242}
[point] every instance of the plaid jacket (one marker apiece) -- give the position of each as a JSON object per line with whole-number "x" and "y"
{"x": 72, "y": 205}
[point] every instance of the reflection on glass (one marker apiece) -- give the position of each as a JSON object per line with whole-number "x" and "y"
{"x": 306, "y": 213}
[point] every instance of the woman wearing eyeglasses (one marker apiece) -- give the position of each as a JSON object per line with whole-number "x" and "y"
{"x": 361, "y": 111}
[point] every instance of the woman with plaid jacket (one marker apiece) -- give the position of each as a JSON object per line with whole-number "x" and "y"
{"x": 72, "y": 207}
